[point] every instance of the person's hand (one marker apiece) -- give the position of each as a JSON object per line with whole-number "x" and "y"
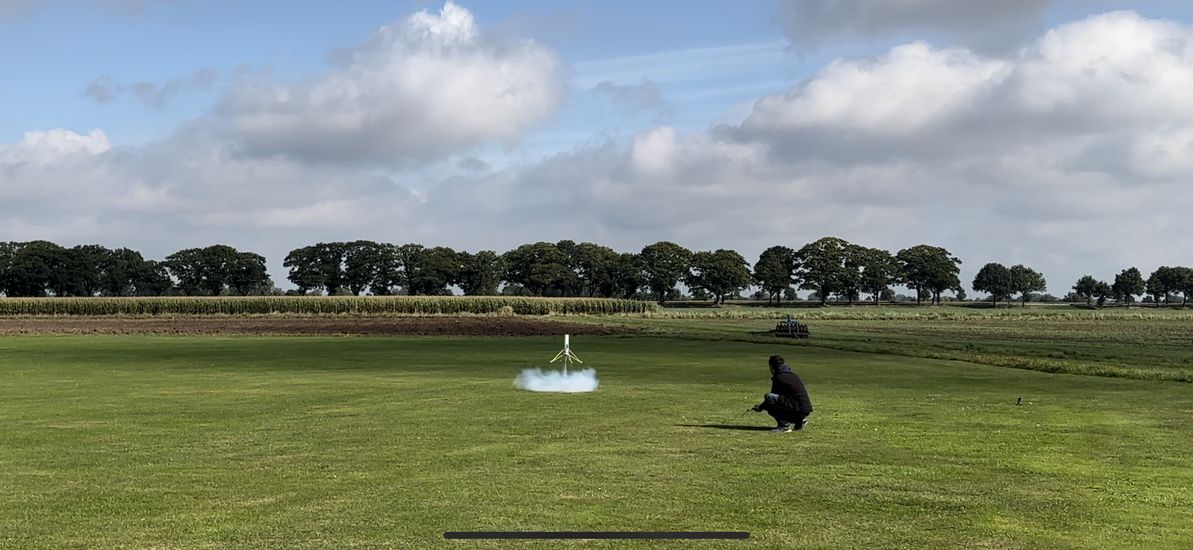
{"x": 756, "y": 408}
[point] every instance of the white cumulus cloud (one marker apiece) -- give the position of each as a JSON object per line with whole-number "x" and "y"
{"x": 418, "y": 90}
{"x": 1070, "y": 154}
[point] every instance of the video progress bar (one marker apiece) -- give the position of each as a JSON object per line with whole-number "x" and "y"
{"x": 574, "y": 535}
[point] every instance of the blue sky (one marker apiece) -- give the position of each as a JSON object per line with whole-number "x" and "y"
{"x": 60, "y": 47}
{"x": 270, "y": 125}
{"x": 160, "y": 41}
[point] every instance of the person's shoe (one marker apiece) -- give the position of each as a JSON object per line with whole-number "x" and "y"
{"x": 784, "y": 429}
{"x": 802, "y": 423}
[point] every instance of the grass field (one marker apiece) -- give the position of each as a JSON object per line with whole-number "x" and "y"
{"x": 387, "y": 442}
{"x": 1128, "y": 343}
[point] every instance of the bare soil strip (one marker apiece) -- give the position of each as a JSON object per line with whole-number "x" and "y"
{"x": 416, "y": 326}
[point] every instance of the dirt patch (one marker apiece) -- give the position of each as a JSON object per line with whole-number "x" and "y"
{"x": 416, "y": 326}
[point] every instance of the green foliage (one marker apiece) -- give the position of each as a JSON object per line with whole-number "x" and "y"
{"x": 246, "y": 274}
{"x": 1184, "y": 283}
{"x": 1128, "y": 284}
{"x": 542, "y": 268}
{"x": 212, "y": 270}
{"x": 437, "y": 268}
{"x": 775, "y": 271}
{"x": 122, "y": 271}
{"x": 8, "y": 252}
{"x": 83, "y": 268}
{"x": 1102, "y": 291}
{"x": 480, "y": 273}
{"x": 721, "y": 273}
{"x": 879, "y": 270}
{"x": 152, "y": 279}
{"x": 1167, "y": 280}
{"x": 35, "y": 268}
{"x": 821, "y": 267}
{"x": 627, "y": 275}
{"x": 664, "y": 264}
{"x": 193, "y": 273}
{"x": 1085, "y": 288}
{"x": 304, "y": 269}
{"x": 995, "y": 279}
{"x": 930, "y": 269}
{"x": 596, "y": 269}
{"x": 1025, "y": 280}
{"x": 364, "y": 263}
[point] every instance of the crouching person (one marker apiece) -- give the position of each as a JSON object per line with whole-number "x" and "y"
{"x": 788, "y": 400}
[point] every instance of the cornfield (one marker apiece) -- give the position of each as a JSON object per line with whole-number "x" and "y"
{"x": 324, "y": 305}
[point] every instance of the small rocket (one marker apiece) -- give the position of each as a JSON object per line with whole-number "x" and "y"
{"x": 566, "y": 354}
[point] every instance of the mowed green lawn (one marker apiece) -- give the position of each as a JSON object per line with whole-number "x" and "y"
{"x": 338, "y": 442}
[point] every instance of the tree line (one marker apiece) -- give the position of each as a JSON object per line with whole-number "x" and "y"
{"x": 1161, "y": 286}
{"x": 41, "y": 268}
{"x": 829, "y": 267}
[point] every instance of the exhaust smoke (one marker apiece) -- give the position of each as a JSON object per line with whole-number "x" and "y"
{"x": 554, "y": 381}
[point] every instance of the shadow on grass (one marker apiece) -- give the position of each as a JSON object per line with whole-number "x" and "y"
{"x": 727, "y": 427}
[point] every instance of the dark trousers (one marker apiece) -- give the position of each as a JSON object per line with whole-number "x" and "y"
{"x": 776, "y": 406}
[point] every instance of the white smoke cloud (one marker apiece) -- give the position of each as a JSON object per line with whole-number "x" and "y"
{"x": 556, "y": 381}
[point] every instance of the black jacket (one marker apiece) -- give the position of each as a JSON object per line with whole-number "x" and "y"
{"x": 787, "y": 384}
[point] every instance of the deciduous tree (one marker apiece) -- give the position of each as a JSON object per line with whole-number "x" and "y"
{"x": 821, "y": 267}
{"x": 1127, "y": 284}
{"x": 246, "y": 274}
{"x": 929, "y": 269}
{"x": 664, "y": 264}
{"x": 480, "y": 273}
{"x": 879, "y": 270}
{"x": 775, "y": 271}
{"x": 628, "y": 275}
{"x": 1025, "y": 280}
{"x": 541, "y": 268}
{"x": 1085, "y": 288}
{"x": 995, "y": 279}
{"x": 721, "y": 273}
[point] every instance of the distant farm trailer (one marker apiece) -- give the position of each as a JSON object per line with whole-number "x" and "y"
{"x": 324, "y": 305}
{"x": 790, "y": 328}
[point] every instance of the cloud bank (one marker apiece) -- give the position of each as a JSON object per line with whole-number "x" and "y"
{"x": 1071, "y": 154}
